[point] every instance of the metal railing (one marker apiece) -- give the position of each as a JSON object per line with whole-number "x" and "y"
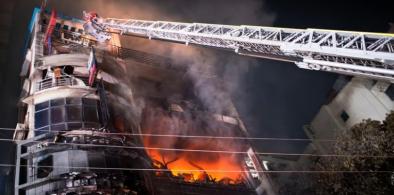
{"x": 58, "y": 82}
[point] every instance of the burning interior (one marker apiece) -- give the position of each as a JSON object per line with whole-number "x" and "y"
{"x": 161, "y": 106}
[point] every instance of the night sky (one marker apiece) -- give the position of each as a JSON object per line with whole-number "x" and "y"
{"x": 275, "y": 99}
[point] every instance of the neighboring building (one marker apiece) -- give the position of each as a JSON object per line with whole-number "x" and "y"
{"x": 350, "y": 101}
{"x": 359, "y": 99}
{"x": 80, "y": 133}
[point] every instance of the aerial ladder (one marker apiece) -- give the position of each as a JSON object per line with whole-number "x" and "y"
{"x": 345, "y": 52}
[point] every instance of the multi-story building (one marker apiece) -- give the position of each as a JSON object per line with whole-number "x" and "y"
{"x": 87, "y": 132}
{"x": 350, "y": 101}
{"x": 355, "y": 100}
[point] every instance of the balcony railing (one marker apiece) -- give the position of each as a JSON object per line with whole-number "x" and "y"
{"x": 60, "y": 81}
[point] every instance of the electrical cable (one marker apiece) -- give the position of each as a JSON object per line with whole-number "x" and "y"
{"x": 193, "y": 136}
{"x": 191, "y": 170}
{"x": 204, "y": 151}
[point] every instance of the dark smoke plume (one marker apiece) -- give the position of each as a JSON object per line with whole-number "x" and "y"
{"x": 205, "y": 66}
{"x": 226, "y": 65}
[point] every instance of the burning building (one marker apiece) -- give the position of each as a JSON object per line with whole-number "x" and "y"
{"x": 98, "y": 118}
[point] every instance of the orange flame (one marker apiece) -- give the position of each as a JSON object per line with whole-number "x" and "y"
{"x": 223, "y": 169}
{"x": 191, "y": 166}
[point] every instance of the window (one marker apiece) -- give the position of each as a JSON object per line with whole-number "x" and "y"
{"x": 69, "y": 183}
{"x": 68, "y": 69}
{"x": 73, "y": 29}
{"x": 42, "y": 106}
{"x": 90, "y": 102}
{"x": 90, "y": 114}
{"x": 369, "y": 84}
{"x": 57, "y": 26}
{"x": 41, "y": 130}
{"x": 57, "y": 115}
{"x": 74, "y": 113}
{"x": 390, "y": 92}
{"x": 73, "y": 101}
{"x": 84, "y": 182}
{"x": 92, "y": 181}
{"x": 41, "y": 119}
{"x": 80, "y": 31}
{"x": 45, "y": 167}
{"x": 58, "y": 127}
{"x": 77, "y": 183}
{"x": 57, "y": 102}
{"x": 344, "y": 116}
{"x": 65, "y": 27}
{"x": 66, "y": 114}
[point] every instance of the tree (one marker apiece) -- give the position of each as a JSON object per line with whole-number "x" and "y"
{"x": 363, "y": 140}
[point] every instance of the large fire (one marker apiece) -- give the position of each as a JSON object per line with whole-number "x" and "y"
{"x": 191, "y": 166}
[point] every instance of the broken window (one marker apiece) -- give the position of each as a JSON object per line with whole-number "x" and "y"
{"x": 45, "y": 167}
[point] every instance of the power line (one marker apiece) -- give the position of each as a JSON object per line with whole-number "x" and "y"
{"x": 190, "y": 170}
{"x": 192, "y": 136}
{"x": 205, "y": 151}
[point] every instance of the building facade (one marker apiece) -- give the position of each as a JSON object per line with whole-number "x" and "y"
{"x": 87, "y": 106}
{"x": 357, "y": 100}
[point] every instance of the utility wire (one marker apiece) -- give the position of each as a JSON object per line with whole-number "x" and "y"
{"x": 205, "y": 151}
{"x": 192, "y": 136}
{"x": 190, "y": 170}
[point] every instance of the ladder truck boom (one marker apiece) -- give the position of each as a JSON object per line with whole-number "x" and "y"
{"x": 352, "y": 53}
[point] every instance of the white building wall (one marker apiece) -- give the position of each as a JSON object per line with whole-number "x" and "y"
{"x": 360, "y": 99}
{"x": 360, "y": 102}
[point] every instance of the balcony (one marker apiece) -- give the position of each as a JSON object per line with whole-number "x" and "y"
{"x": 59, "y": 82}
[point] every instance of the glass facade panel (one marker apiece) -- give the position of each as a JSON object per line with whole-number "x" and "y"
{"x": 42, "y": 106}
{"x": 90, "y": 114}
{"x": 89, "y": 102}
{"x": 41, "y": 119}
{"x": 74, "y": 113}
{"x": 57, "y": 102}
{"x": 45, "y": 167}
{"x": 42, "y": 130}
{"x": 57, "y": 115}
{"x": 344, "y": 116}
{"x": 58, "y": 127}
{"x": 66, "y": 114}
{"x": 73, "y": 101}
{"x": 390, "y": 92}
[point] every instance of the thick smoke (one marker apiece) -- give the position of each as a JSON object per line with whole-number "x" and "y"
{"x": 215, "y": 74}
{"x": 200, "y": 61}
